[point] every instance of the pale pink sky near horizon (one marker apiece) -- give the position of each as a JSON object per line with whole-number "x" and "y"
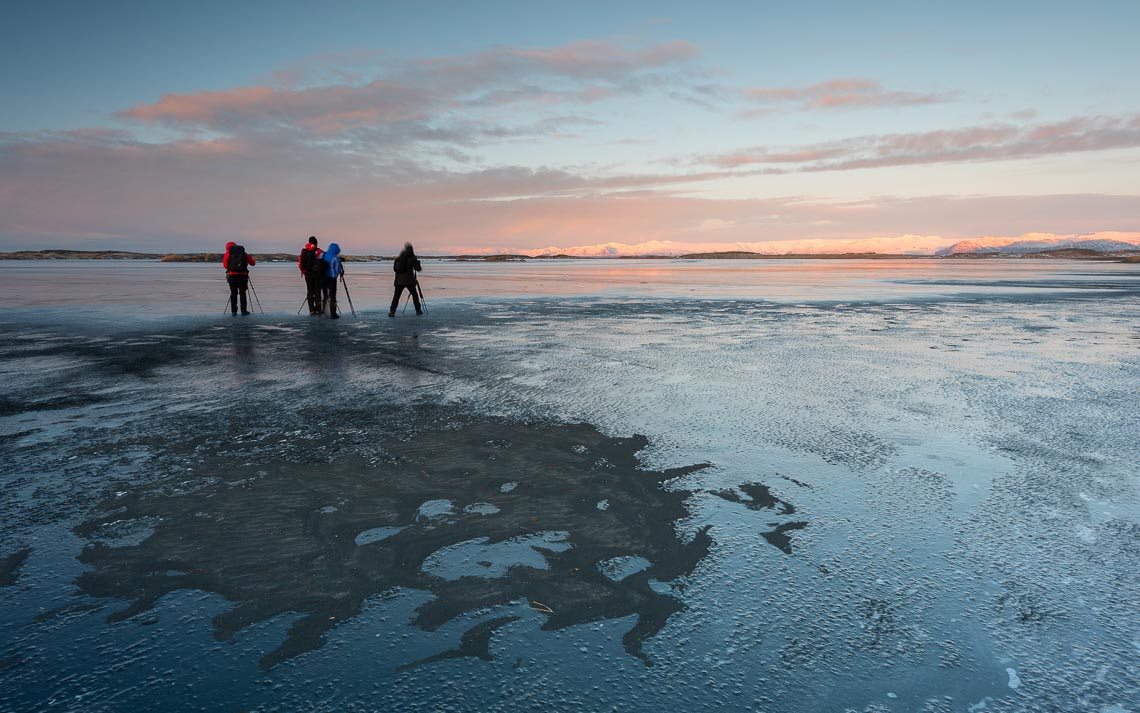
{"x": 653, "y": 131}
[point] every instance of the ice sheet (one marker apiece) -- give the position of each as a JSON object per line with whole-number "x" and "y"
{"x": 890, "y": 494}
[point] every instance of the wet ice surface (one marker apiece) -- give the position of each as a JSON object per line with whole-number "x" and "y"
{"x": 914, "y": 500}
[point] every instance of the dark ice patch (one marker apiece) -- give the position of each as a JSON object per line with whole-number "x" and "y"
{"x": 778, "y": 537}
{"x": 475, "y": 643}
{"x": 276, "y": 537}
{"x": 757, "y": 497}
{"x": 10, "y": 566}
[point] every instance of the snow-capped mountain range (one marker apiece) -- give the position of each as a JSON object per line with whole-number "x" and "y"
{"x": 896, "y": 245}
{"x": 1033, "y": 243}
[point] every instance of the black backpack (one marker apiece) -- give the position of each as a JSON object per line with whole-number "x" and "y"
{"x": 405, "y": 263}
{"x": 309, "y": 259}
{"x": 237, "y": 261}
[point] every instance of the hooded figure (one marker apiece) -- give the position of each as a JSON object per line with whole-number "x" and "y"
{"x": 406, "y": 266}
{"x": 334, "y": 268}
{"x": 312, "y": 268}
{"x": 237, "y": 262}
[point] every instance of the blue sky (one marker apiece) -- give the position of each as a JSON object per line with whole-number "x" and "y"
{"x": 502, "y": 126}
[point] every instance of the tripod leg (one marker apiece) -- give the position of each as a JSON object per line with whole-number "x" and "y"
{"x": 255, "y": 297}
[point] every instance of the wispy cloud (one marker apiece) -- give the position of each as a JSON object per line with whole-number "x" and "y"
{"x": 432, "y": 91}
{"x": 994, "y": 142}
{"x": 842, "y": 93}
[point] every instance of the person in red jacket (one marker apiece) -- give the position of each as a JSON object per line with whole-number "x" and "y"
{"x": 311, "y": 263}
{"x": 237, "y": 263}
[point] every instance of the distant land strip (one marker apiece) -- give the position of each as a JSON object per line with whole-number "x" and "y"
{"x": 1056, "y": 254}
{"x": 217, "y": 257}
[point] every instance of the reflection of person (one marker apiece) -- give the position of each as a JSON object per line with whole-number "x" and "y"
{"x": 334, "y": 268}
{"x": 237, "y": 263}
{"x": 406, "y": 266}
{"x": 309, "y": 262}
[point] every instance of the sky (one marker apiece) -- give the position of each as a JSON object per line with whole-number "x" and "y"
{"x": 526, "y": 126}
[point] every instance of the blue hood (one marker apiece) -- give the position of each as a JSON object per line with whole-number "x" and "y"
{"x": 333, "y": 259}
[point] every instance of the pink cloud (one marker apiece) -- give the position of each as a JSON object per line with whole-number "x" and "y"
{"x": 420, "y": 91}
{"x": 375, "y": 101}
{"x": 846, "y": 93}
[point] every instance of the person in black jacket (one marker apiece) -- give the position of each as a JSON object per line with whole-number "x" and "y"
{"x": 312, "y": 267}
{"x": 406, "y": 266}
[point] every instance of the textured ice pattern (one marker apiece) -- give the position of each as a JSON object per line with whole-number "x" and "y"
{"x": 911, "y": 504}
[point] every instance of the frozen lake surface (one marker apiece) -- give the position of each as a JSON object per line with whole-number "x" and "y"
{"x": 591, "y": 485}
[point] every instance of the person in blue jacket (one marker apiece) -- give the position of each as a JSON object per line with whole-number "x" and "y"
{"x": 334, "y": 268}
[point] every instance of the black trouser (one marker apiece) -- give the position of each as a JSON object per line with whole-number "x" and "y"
{"x": 314, "y": 284}
{"x": 238, "y": 286}
{"x": 415, "y": 298}
{"x": 329, "y": 289}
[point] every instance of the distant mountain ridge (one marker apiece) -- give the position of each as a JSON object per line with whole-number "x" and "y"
{"x": 1100, "y": 242}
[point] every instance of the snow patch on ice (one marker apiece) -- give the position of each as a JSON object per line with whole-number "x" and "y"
{"x": 618, "y": 568}
{"x": 435, "y": 508}
{"x": 476, "y": 558}
{"x": 1014, "y": 681}
{"x": 376, "y": 534}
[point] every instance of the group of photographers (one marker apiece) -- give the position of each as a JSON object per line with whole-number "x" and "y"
{"x": 321, "y": 270}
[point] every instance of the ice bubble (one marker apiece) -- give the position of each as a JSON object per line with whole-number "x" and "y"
{"x": 603, "y": 504}
{"x": 508, "y": 487}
